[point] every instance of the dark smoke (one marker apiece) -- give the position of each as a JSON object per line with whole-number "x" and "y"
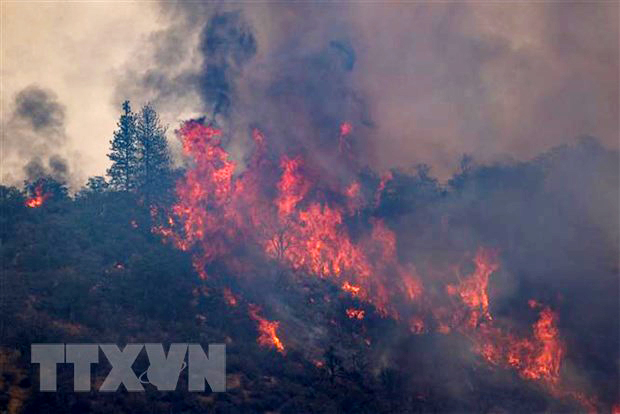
{"x": 435, "y": 80}
{"x": 227, "y": 45}
{"x": 439, "y": 80}
{"x": 40, "y": 108}
{"x": 297, "y": 94}
{"x": 35, "y": 138}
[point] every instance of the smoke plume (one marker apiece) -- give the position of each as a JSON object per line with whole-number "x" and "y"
{"x": 421, "y": 83}
{"x": 35, "y": 143}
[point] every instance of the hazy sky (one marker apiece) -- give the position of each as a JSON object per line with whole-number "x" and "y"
{"x": 440, "y": 80}
{"x": 74, "y": 50}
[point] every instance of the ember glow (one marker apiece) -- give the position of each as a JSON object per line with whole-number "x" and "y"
{"x": 355, "y": 313}
{"x": 344, "y": 145}
{"x": 229, "y": 297}
{"x": 345, "y": 129}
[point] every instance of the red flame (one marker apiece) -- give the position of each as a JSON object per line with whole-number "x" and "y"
{"x": 538, "y": 357}
{"x": 267, "y": 330}
{"x": 219, "y": 209}
{"x": 355, "y": 313}
{"x": 354, "y": 290}
{"x": 473, "y": 290}
{"x": 216, "y": 209}
{"x": 38, "y": 199}
{"x": 385, "y": 178}
{"x": 230, "y": 299}
{"x": 345, "y": 129}
{"x": 354, "y": 197}
{"x": 292, "y": 186}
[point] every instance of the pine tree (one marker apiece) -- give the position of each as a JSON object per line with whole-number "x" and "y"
{"x": 154, "y": 167}
{"x": 123, "y": 153}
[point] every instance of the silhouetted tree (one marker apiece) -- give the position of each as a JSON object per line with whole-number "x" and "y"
{"x": 123, "y": 153}
{"x": 154, "y": 172}
{"x": 11, "y": 209}
{"x": 333, "y": 363}
{"x": 97, "y": 184}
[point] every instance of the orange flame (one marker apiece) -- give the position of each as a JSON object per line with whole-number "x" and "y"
{"x": 355, "y": 313}
{"x": 347, "y": 287}
{"x": 385, "y": 178}
{"x": 215, "y": 210}
{"x": 38, "y": 199}
{"x": 473, "y": 290}
{"x": 292, "y": 186}
{"x": 267, "y": 330}
{"x": 354, "y": 197}
{"x": 218, "y": 210}
{"x": 230, "y": 299}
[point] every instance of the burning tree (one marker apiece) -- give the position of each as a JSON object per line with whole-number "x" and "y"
{"x": 43, "y": 189}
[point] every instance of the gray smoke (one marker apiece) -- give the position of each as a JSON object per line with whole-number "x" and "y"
{"x": 428, "y": 83}
{"x": 227, "y": 44}
{"x": 420, "y": 83}
{"x": 35, "y": 138}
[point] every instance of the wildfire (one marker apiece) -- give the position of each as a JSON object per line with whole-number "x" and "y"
{"x": 538, "y": 357}
{"x": 354, "y": 197}
{"x": 535, "y": 358}
{"x": 416, "y": 325}
{"x": 385, "y": 178}
{"x": 230, "y": 299}
{"x": 292, "y": 186}
{"x": 544, "y": 362}
{"x": 355, "y": 313}
{"x": 345, "y": 129}
{"x": 353, "y": 290}
{"x": 273, "y": 206}
{"x": 38, "y": 199}
{"x": 216, "y": 209}
{"x": 267, "y": 330}
{"x": 473, "y": 290}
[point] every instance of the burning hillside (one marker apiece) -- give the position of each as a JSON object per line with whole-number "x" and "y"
{"x": 281, "y": 210}
{"x": 364, "y": 208}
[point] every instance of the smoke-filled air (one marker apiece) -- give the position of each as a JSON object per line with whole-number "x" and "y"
{"x": 376, "y": 207}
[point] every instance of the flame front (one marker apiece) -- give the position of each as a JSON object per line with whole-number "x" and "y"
{"x": 219, "y": 210}
{"x": 473, "y": 290}
{"x": 267, "y": 330}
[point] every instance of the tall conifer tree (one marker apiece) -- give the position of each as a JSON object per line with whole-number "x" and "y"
{"x": 123, "y": 172}
{"x": 154, "y": 167}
